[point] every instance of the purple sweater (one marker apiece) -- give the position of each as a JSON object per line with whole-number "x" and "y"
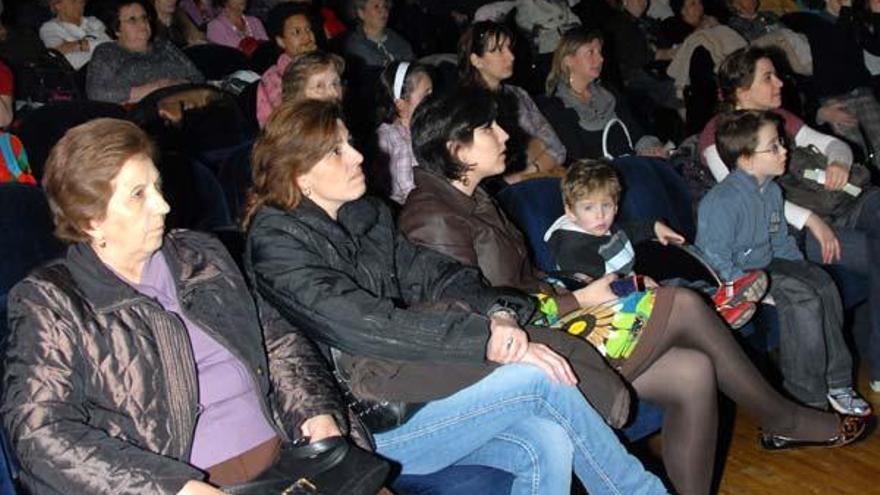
{"x": 231, "y": 421}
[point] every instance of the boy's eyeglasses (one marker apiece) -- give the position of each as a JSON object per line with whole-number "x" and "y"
{"x": 776, "y": 148}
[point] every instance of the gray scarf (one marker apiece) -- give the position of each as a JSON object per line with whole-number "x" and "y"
{"x": 595, "y": 113}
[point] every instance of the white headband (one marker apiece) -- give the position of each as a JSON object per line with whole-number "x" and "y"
{"x": 399, "y": 78}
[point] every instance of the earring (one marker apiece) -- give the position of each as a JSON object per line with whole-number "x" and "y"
{"x": 102, "y": 243}
{"x": 307, "y": 191}
{"x": 465, "y": 181}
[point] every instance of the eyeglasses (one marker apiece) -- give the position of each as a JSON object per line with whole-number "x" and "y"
{"x": 136, "y": 19}
{"x": 777, "y": 147}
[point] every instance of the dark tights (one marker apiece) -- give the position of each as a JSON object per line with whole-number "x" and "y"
{"x": 696, "y": 355}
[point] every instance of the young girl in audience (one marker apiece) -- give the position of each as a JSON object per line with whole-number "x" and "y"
{"x": 315, "y": 75}
{"x": 402, "y": 87}
{"x": 290, "y": 27}
{"x": 485, "y": 60}
{"x": 232, "y": 28}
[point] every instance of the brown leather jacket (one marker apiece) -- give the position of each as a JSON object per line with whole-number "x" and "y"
{"x": 100, "y": 388}
{"x": 474, "y": 231}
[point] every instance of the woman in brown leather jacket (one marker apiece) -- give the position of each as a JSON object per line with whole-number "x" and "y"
{"x": 136, "y": 364}
{"x": 684, "y": 353}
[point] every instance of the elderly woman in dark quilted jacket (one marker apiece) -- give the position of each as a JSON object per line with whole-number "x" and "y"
{"x": 136, "y": 363}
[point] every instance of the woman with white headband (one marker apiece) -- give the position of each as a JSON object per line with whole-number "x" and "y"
{"x": 402, "y": 86}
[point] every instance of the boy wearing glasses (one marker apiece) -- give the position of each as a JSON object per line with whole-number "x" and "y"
{"x": 741, "y": 227}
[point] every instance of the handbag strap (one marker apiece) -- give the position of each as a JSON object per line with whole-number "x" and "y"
{"x": 607, "y": 154}
{"x": 320, "y": 447}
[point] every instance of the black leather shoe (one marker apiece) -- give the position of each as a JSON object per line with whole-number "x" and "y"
{"x": 850, "y": 429}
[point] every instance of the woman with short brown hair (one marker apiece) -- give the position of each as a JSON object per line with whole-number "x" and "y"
{"x": 136, "y": 363}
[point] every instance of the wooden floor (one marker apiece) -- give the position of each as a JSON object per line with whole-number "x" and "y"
{"x": 749, "y": 470}
{"x": 854, "y": 469}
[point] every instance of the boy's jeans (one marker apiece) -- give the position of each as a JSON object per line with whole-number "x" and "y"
{"x": 813, "y": 353}
{"x": 517, "y": 420}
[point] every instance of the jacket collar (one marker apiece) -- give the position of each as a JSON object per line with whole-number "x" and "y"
{"x": 431, "y": 183}
{"x": 748, "y": 182}
{"x": 106, "y": 290}
{"x": 354, "y": 218}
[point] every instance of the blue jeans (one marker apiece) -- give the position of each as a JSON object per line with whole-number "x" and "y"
{"x": 454, "y": 480}
{"x": 859, "y": 238}
{"x": 518, "y": 421}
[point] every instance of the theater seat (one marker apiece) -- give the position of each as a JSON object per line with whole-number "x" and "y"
{"x": 40, "y": 129}
{"x": 8, "y": 470}
{"x": 533, "y": 205}
{"x": 27, "y": 239}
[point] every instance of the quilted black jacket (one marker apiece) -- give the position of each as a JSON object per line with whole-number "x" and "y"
{"x": 358, "y": 286}
{"x": 100, "y": 388}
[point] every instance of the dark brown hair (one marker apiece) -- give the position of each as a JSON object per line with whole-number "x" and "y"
{"x": 80, "y": 170}
{"x": 478, "y": 39}
{"x": 737, "y": 71}
{"x": 296, "y": 137}
{"x": 736, "y": 134}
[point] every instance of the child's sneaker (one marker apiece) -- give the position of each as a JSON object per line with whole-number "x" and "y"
{"x": 751, "y": 287}
{"x": 737, "y": 316}
{"x": 847, "y": 401}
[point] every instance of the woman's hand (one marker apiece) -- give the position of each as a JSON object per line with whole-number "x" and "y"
{"x": 826, "y": 237}
{"x": 193, "y": 487}
{"x": 836, "y": 114}
{"x": 538, "y": 157}
{"x": 320, "y": 427}
{"x": 665, "y": 54}
{"x": 836, "y": 176}
{"x": 649, "y": 282}
{"x": 666, "y": 235}
{"x": 598, "y": 292}
{"x": 550, "y": 362}
{"x": 507, "y": 342}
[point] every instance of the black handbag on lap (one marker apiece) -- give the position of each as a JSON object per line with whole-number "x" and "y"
{"x": 332, "y": 466}
{"x": 810, "y": 194}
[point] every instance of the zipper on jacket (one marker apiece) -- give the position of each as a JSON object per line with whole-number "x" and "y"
{"x": 178, "y": 369}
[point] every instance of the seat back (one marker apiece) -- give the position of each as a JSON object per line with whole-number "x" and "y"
{"x": 40, "y": 129}
{"x": 534, "y": 205}
{"x": 46, "y": 78}
{"x": 8, "y": 468}
{"x": 216, "y": 61}
{"x": 27, "y": 239}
